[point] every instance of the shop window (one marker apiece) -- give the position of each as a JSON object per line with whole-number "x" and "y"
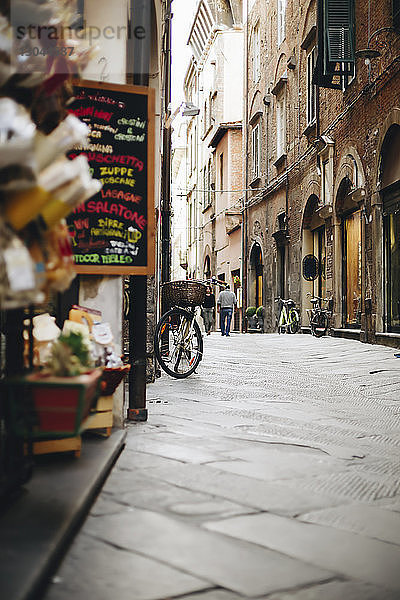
{"x": 351, "y": 228}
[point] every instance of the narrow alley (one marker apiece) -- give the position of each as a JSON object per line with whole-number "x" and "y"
{"x": 273, "y": 473}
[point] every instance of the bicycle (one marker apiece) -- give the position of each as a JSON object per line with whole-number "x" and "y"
{"x": 178, "y": 343}
{"x": 289, "y": 319}
{"x": 318, "y": 316}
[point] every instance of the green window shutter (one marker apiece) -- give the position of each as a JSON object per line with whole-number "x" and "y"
{"x": 339, "y": 30}
{"x": 396, "y": 14}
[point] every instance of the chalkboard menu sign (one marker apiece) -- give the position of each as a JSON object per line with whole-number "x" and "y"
{"x": 113, "y": 232}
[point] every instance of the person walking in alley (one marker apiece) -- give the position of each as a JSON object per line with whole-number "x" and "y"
{"x": 225, "y": 303}
{"x": 208, "y": 310}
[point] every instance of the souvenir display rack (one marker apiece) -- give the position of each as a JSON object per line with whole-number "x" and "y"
{"x": 39, "y": 187}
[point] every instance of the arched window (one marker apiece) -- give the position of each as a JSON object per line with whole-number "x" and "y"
{"x": 207, "y": 268}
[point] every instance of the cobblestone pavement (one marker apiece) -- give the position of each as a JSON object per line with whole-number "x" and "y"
{"x": 273, "y": 473}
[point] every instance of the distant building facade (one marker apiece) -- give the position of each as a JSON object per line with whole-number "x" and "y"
{"x": 214, "y": 83}
{"x": 179, "y": 232}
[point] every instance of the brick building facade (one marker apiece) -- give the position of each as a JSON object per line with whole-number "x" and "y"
{"x": 322, "y": 216}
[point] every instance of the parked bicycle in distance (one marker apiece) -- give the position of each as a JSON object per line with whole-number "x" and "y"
{"x": 289, "y": 319}
{"x": 319, "y": 317}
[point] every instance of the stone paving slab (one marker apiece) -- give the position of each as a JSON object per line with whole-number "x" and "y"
{"x": 137, "y": 489}
{"x": 370, "y": 521}
{"x": 338, "y": 590}
{"x": 244, "y": 568}
{"x": 97, "y": 570}
{"x": 272, "y": 464}
{"x": 341, "y": 552}
{"x": 254, "y": 493}
{"x": 183, "y": 453}
{"x": 214, "y": 594}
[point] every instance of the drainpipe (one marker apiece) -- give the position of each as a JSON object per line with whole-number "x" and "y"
{"x": 245, "y": 171}
{"x": 166, "y": 157}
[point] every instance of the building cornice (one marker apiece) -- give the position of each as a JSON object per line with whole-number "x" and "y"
{"x": 221, "y": 131}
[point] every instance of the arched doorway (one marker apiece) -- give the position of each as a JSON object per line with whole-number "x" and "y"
{"x": 390, "y": 192}
{"x": 256, "y": 276}
{"x": 313, "y": 254}
{"x": 350, "y": 215}
{"x": 207, "y": 268}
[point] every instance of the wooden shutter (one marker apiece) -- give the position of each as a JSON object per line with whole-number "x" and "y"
{"x": 339, "y": 24}
{"x": 335, "y": 29}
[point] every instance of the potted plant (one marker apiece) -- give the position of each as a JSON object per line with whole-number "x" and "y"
{"x": 260, "y": 313}
{"x": 251, "y": 317}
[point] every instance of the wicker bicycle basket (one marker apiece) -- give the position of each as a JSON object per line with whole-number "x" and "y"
{"x": 184, "y": 293}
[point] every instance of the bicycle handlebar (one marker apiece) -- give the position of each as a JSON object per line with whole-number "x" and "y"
{"x": 288, "y": 301}
{"x": 319, "y": 297}
{"x": 212, "y": 281}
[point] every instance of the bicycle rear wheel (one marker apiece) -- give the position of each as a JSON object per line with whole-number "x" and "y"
{"x": 293, "y": 321}
{"x": 319, "y": 324}
{"x": 178, "y": 344}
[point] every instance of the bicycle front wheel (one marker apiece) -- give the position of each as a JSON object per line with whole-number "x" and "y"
{"x": 178, "y": 344}
{"x": 319, "y": 324}
{"x": 293, "y": 321}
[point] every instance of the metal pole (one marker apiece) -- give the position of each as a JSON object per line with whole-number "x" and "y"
{"x": 166, "y": 157}
{"x": 137, "y": 292}
{"x": 13, "y": 330}
{"x": 137, "y": 410}
{"x": 245, "y": 170}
